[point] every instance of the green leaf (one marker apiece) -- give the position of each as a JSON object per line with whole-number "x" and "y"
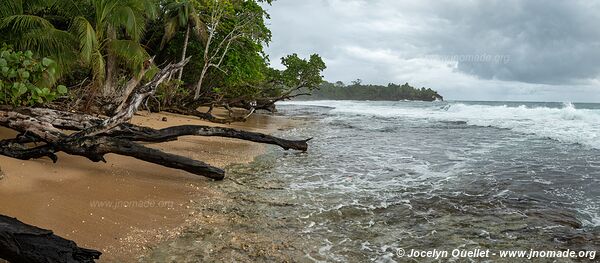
{"x": 12, "y": 73}
{"x": 3, "y": 62}
{"x": 62, "y": 89}
{"x": 22, "y": 89}
{"x": 47, "y": 62}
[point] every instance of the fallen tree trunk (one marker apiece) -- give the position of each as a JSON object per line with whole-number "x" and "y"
{"x": 137, "y": 133}
{"x": 206, "y": 115}
{"x": 20, "y": 242}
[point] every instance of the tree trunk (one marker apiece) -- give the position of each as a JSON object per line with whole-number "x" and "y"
{"x": 185, "y": 45}
{"x": 20, "y": 242}
{"x": 108, "y": 88}
{"x": 131, "y": 85}
{"x": 199, "y": 85}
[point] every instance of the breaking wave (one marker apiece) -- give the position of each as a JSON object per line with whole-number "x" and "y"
{"x": 563, "y": 122}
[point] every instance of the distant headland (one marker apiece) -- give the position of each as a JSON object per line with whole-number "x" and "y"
{"x": 358, "y": 91}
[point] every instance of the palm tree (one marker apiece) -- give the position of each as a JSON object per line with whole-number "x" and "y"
{"x": 113, "y": 32}
{"x": 100, "y": 33}
{"x": 182, "y": 14}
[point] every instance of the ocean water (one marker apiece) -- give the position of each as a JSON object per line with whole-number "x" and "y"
{"x": 384, "y": 176}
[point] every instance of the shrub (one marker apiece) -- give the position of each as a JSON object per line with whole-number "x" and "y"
{"x": 25, "y": 80}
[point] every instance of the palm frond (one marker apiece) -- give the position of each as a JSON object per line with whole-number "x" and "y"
{"x": 24, "y": 23}
{"x": 150, "y": 8}
{"x": 129, "y": 52}
{"x": 183, "y": 14}
{"x": 170, "y": 30}
{"x": 86, "y": 36}
{"x": 128, "y": 18}
{"x": 98, "y": 66}
{"x": 11, "y": 7}
{"x": 48, "y": 42}
{"x": 70, "y": 8}
{"x": 36, "y": 5}
{"x": 103, "y": 10}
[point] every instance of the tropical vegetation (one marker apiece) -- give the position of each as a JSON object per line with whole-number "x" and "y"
{"x": 103, "y": 49}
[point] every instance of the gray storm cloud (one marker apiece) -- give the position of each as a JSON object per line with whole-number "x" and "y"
{"x": 512, "y": 49}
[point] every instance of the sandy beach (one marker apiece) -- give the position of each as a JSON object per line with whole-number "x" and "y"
{"x": 125, "y": 206}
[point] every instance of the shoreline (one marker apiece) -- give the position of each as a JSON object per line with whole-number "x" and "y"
{"x": 125, "y": 206}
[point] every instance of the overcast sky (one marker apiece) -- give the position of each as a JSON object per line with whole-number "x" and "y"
{"x": 470, "y": 50}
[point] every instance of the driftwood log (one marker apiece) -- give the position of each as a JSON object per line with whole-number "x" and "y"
{"x": 43, "y": 133}
{"x": 20, "y": 242}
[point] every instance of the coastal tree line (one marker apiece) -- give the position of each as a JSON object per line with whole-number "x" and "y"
{"x": 358, "y": 91}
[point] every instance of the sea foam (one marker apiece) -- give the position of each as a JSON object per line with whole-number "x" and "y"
{"x": 565, "y": 123}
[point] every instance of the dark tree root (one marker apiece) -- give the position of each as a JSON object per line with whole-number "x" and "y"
{"x": 20, "y": 242}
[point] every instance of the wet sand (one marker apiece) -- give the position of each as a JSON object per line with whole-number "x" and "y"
{"x": 125, "y": 206}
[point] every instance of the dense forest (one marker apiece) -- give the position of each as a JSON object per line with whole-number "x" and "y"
{"x": 359, "y": 91}
{"x": 89, "y": 55}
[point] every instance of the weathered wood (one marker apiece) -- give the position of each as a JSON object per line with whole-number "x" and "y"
{"x": 137, "y": 133}
{"x": 15, "y": 148}
{"x": 206, "y": 116}
{"x": 20, "y": 242}
{"x": 96, "y": 147}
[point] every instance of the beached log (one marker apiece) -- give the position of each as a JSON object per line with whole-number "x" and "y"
{"x": 14, "y": 148}
{"x": 96, "y": 147}
{"x": 207, "y": 115}
{"x": 145, "y": 134}
{"x": 20, "y": 242}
